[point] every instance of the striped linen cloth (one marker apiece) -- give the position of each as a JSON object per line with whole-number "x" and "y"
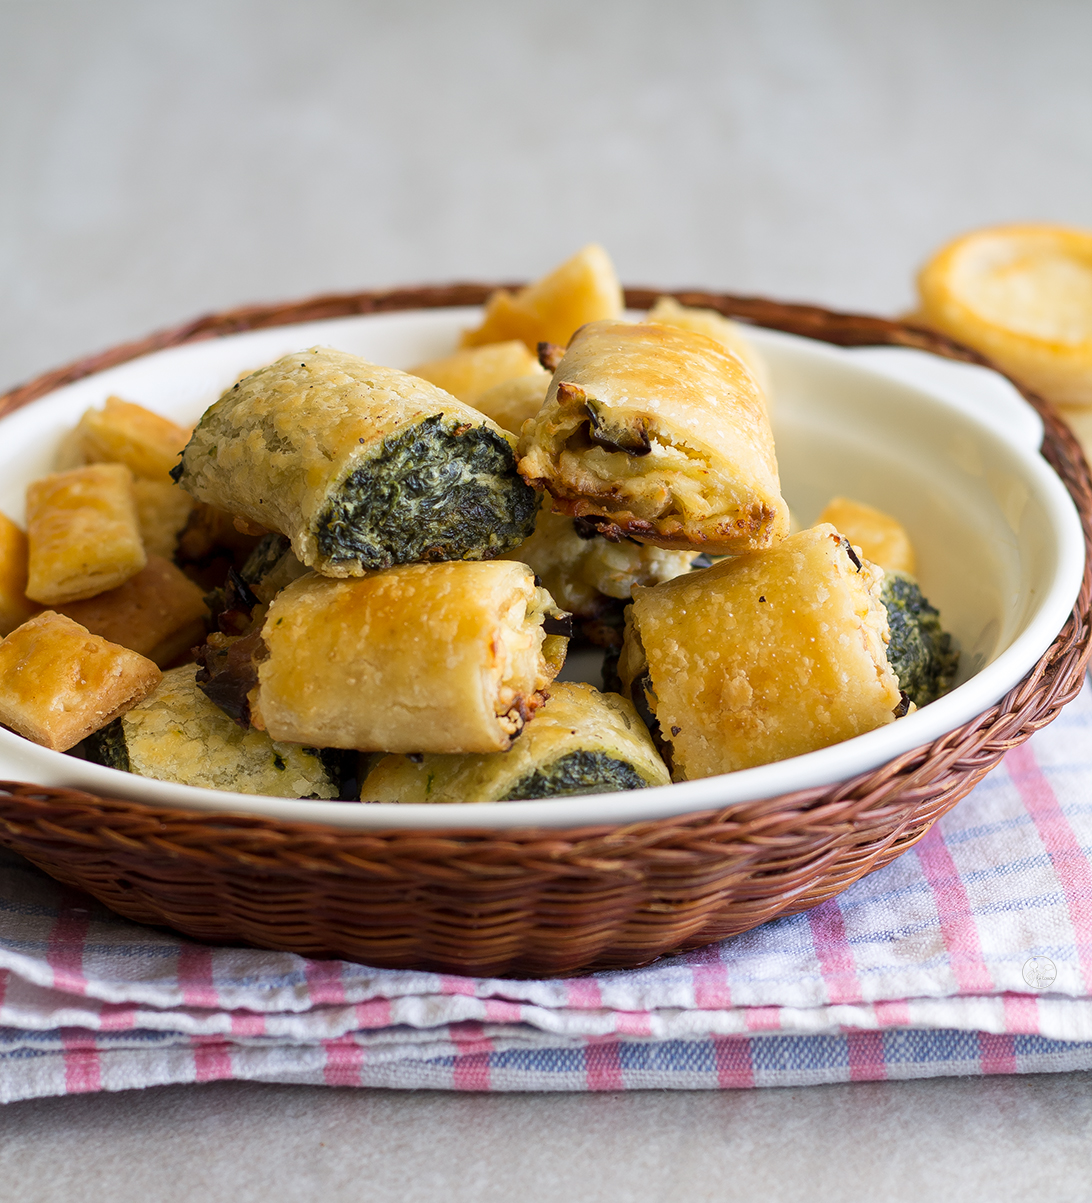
{"x": 971, "y": 954}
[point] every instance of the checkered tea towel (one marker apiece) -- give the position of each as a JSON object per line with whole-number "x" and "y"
{"x": 971, "y": 954}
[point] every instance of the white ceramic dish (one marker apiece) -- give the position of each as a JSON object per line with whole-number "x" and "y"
{"x": 949, "y": 449}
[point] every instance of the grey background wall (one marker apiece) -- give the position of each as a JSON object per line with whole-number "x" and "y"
{"x": 159, "y": 158}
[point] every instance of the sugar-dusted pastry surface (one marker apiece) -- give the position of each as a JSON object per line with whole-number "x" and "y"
{"x": 581, "y": 741}
{"x": 420, "y": 658}
{"x": 883, "y": 539}
{"x": 658, "y": 433}
{"x": 361, "y": 466}
{"x": 159, "y": 612}
{"x": 83, "y": 532}
{"x": 177, "y": 734}
{"x": 58, "y": 682}
{"x": 762, "y": 657}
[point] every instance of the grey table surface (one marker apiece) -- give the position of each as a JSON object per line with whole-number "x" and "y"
{"x": 161, "y": 159}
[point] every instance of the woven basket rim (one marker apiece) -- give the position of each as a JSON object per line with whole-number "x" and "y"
{"x": 1056, "y": 678}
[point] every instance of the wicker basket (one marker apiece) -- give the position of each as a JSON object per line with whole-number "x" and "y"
{"x": 532, "y": 902}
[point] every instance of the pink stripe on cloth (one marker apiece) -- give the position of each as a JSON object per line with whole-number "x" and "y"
{"x": 82, "y": 1072}
{"x": 195, "y": 976}
{"x": 762, "y": 1019}
{"x": 583, "y": 993}
{"x": 67, "y": 941}
{"x": 836, "y": 964}
{"x": 324, "y": 982}
{"x": 375, "y": 1013}
{"x": 247, "y": 1023}
{"x": 211, "y": 1059}
{"x": 957, "y": 925}
{"x": 710, "y": 976}
{"x": 117, "y": 1017}
{"x": 344, "y": 1061}
{"x": 1021, "y": 1014}
{"x": 603, "y": 1064}
{"x": 633, "y": 1023}
{"x": 450, "y": 984}
{"x": 4, "y": 976}
{"x": 498, "y": 1010}
{"x": 735, "y": 1068}
{"x": 892, "y": 1013}
{"x": 470, "y": 1069}
{"x": 866, "y": 1059}
{"x": 996, "y": 1054}
{"x": 1061, "y": 844}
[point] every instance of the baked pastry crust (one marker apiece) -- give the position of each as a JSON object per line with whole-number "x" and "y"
{"x": 15, "y": 606}
{"x": 661, "y": 434}
{"x": 177, "y": 734}
{"x": 361, "y": 466}
{"x": 83, "y": 532}
{"x": 58, "y": 682}
{"x": 447, "y": 657}
{"x": 763, "y": 657}
{"x": 581, "y": 741}
{"x": 159, "y": 613}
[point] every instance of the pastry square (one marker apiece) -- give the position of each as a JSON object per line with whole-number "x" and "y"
{"x": 84, "y": 533}
{"x": 58, "y": 682}
{"x": 15, "y": 606}
{"x": 159, "y": 613}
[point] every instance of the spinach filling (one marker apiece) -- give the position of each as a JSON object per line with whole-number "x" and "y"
{"x": 434, "y": 492}
{"x": 107, "y": 746}
{"x": 920, "y": 651}
{"x": 578, "y": 773}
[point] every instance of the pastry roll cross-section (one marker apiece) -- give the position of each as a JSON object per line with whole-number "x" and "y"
{"x": 661, "y": 434}
{"x": 448, "y": 657}
{"x": 580, "y": 742}
{"x": 361, "y": 466}
{"x": 762, "y": 657}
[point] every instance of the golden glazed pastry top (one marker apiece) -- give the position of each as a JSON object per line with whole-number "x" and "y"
{"x": 765, "y": 656}
{"x": 447, "y": 657}
{"x": 695, "y": 464}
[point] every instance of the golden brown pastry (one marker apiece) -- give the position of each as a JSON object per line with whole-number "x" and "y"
{"x": 83, "y": 533}
{"x": 512, "y": 403}
{"x": 15, "y": 606}
{"x": 580, "y": 742}
{"x": 468, "y": 373}
{"x": 660, "y": 434}
{"x": 881, "y": 538}
{"x": 762, "y": 657}
{"x": 58, "y": 682}
{"x": 159, "y": 613}
{"x": 731, "y": 335}
{"x": 583, "y": 289}
{"x": 163, "y": 510}
{"x": 124, "y": 433}
{"x": 177, "y": 734}
{"x": 420, "y": 658}
{"x": 360, "y": 466}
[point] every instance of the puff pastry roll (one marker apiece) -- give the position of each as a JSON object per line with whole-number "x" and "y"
{"x": 58, "y": 682}
{"x": 177, "y": 734}
{"x": 762, "y": 657}
{"x": 361, "y": 466}
{"x": 420, "y": 658}
{"x": 580, "y": 742}
{"x": 83, "y": 533}
{"x": 661, "y": 434}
